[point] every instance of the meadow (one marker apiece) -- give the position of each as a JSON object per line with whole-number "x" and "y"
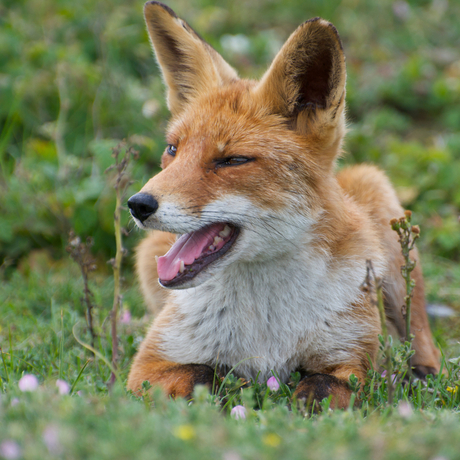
{"x": 76, "y": 78}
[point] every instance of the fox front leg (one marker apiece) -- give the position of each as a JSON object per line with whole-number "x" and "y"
{"x": 177, "y": 380}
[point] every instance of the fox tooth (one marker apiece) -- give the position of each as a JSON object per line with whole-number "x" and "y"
{"x": 217, "y": 240}
{"x": 156, "y": 259}
{"x": 225, "y": 232}
{"x": 182, "y": 266}
{"x": 211, "y": 248}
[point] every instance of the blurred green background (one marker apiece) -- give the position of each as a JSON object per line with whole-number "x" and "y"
{"x": 77, "y": 77}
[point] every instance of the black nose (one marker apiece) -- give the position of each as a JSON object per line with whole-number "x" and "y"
{"x": 142, "y": 205}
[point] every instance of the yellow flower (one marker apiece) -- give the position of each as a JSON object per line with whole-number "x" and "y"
{"x": 452, "y": 390}
{"x": 272, "y": 440}
{"x": 184, "y": 432}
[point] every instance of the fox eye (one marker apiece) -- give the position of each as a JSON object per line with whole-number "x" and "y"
{"x": 172, "y": 149}
{"x": 232, "y": 161}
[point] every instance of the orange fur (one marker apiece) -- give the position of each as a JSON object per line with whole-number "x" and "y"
{"x": 371, "y": 188}
{"x": 288, "y": 129}
{"x": 177, "y": 380}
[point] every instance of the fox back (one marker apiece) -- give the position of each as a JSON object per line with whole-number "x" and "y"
{"x": 267, "y": 273}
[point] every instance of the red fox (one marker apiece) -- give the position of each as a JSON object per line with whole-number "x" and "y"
{"x": 268, "y": 267}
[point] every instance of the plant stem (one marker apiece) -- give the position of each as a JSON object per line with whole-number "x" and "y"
{"x": 407, "y": 233}
{"x": 4, "y": 365}
{"x": 117, "y": 298}
{"x": 380, "y": 305}
{"x": 64, "y": 104}
{"x": 81, "y": 254}
{"x": 378, "y": 302}
{"x": 388, "y": 349}
{"x": 121, "y": 184}
{"x": 89, "y": 308}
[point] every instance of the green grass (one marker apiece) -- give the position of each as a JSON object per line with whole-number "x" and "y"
{"x": 118, "y": 428}
{"x": 43, "y": 315}
{"x": 74, "y": 80}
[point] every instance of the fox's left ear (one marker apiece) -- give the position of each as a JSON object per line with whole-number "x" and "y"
{"x": 306, "y": 81}
{"x": 189, "y": 65}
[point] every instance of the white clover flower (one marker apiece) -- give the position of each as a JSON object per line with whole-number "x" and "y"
{"x": 405, "y": 409}
{"x": 63, "y": 387}
{"x": 238, "y": 412}
{"x": 28, "y": 382}
{"x": 10, "y": 450}
{"x": 273, "y": 384}
{"x": 50, "y": 437}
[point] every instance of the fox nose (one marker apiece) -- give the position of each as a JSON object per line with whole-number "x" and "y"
{"x": 142, "y": 205}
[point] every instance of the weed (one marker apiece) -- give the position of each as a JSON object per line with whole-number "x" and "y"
{"x": 408, "y": 234}
{"x": 122, "y": 182}
{"x": 373, "y": 287}
{"x": 81, "y": 253}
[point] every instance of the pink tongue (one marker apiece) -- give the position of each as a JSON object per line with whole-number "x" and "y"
{"x": 187, "y": 248}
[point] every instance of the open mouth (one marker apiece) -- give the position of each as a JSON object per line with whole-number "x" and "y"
{"x": 193, "y": 252}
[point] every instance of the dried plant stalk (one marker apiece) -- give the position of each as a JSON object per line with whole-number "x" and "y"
{"x": 373, "y": 287}
{"x": 122, "y": 154}
{"x": 81, "y": 253}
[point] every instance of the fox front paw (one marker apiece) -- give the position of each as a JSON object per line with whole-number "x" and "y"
{"x": 422, "y": 371}
{"x": 193, "y": 374}
{"x": 177, "y": 380}
{"x": 313, "y": 389}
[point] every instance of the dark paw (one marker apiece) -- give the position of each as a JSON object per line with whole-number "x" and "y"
{"x": 315, "y": 388}
{"x": 422, "y": 371}
{"x": 203, "y": 374}
{"x": 199, "y": 374}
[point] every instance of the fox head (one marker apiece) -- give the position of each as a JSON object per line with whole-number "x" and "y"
{"x": 248, "y": 169}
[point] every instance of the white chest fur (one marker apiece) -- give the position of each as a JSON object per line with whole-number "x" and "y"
{"x": 267, "y": 316}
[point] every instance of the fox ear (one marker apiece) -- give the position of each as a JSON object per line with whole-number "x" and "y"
{"x": 189, "y": 65}
{"x": 307, "y": 78}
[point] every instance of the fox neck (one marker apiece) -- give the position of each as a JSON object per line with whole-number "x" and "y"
{"x": 306, "y": 275}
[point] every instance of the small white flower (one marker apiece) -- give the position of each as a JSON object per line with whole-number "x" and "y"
{"x": 273, "y": 384}
{"x": 63, "y": 387}
{"x": 10, "y": 450}
{"x": 28, "y": 382}
{"x": 405, "y": 409}
{"x": 50, "y": 437}
{"x": 238, "y": 412}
